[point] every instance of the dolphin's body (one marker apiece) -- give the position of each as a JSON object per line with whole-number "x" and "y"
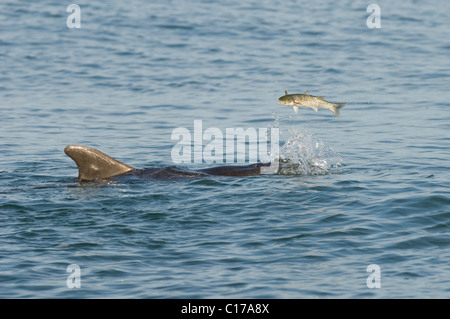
{"x": 95, "y": 165}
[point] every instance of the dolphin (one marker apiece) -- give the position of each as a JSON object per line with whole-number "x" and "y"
{"x": 95, "y": 165}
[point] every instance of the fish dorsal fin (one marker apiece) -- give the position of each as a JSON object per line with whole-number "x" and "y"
{"x": 93, "y": 164}
{"x": 285, "y": 92}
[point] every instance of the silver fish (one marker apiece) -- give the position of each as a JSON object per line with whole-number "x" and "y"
{"x": 306, "y": 100}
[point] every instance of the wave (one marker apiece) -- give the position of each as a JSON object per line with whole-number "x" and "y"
{"x": 304, "y": 153}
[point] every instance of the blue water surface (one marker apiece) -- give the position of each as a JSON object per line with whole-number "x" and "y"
{"x": 137, "y": 70}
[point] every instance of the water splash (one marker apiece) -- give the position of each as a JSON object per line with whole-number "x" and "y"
{"x": 304, "y": 153}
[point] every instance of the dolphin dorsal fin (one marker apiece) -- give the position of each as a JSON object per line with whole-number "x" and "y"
{"x": 93, "y": 164}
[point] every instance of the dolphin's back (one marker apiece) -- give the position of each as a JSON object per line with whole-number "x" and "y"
{"x": 93, "y": 164}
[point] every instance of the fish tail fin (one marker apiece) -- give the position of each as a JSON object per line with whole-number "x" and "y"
{"x": 335, "y": 107}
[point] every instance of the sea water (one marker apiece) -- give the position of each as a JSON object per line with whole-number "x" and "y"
{"x": 370, "y": 188}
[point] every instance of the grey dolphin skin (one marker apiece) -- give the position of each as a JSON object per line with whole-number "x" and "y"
{"x": 95, "y": 165}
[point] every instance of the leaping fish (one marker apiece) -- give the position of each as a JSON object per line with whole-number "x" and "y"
{"x": 306, "y": 100}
